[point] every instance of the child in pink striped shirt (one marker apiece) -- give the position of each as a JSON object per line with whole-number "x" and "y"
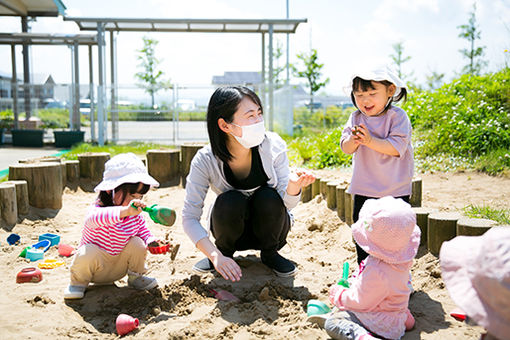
{"x": 115, "y": 236}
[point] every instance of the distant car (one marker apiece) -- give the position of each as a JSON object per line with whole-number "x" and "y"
{"x": 85, "y": 106}
{"x": 52, "y": 103}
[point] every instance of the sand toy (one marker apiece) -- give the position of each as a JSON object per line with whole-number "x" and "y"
{"x": 224, "y": 295}
{"x": 30, "y": 274}
{"x": 50, "y": 264}
{"x": 126, "y": 323}
{"x": 54, "y": 239}
{"x": 345, "y": 275}
{"x": 34, "y": 254}
{"x": 43, "y": 245}
{"x": 317, "y": 307}
{"x": 13, "y": 239}
{"x": 65, "y": 250}
{"x": 160, "y": 215}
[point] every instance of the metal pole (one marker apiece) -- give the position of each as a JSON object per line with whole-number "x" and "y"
{"x": 14, "y": 87}
{"x": 271, "y": 106}
{"x": 72, "y": 101}
{"x": 26, "y": 70}
{"x": 263, "y": 87}
{"x": 114, "y": 114}
{"x": 91, "y": 97}
{"x": 287, "y": 67}
{"x": 101, "y": 100}
{"x": 174, "y": 113}
{"x": 76, "y": 111}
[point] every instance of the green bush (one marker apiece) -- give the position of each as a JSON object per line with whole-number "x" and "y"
{"x": 468, "y": 117}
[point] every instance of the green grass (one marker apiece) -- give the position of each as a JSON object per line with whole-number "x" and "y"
{"x": 502, "y": 216}
{"x": 114, "y": 149}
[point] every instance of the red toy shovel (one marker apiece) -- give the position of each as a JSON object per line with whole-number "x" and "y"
{"x": 458, "y": 314}
{"x": 223, "y": 295}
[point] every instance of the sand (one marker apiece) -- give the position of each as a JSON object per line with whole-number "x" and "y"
{"x": 183, "y": 306}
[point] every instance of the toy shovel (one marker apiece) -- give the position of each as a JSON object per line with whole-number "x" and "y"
{"x": 159, "y": 214}
{"x": 224, "y": 295}
{"x": 345, "y": 275}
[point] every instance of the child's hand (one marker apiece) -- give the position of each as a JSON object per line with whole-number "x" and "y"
{"x": 135, "y": 211}
{"x": 361, "y": 134}
{"x": 299, "y": 179}
{"x": 333, "y": 291}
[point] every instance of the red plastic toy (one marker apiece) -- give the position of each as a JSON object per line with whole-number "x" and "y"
{"x": 30, "y": 274}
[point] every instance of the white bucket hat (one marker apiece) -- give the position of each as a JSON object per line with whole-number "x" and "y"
{"x": 379, "y": 73}
{"x": 124, "y": 168}
{"x": 476, "y": 271}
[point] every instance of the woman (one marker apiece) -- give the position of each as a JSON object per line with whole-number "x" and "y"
{"x": 248, "y": 169}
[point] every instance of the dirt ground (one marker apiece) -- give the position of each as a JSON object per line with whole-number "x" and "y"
{"x": 183, "y": 307}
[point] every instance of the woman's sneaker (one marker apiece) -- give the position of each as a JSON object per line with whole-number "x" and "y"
{"x": 74, "y": 292}
{"x": 204, "y": 266}
{"x": 141, "y": 282}
{"x": 279, "y": 264}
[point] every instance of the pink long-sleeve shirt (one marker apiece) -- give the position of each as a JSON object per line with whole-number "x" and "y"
{"x": 375, "y": 174}
{"x": 105, "y": 228}
{"x": 379, "y": 297}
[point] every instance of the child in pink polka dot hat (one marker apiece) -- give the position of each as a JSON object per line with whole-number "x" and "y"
{"x": 376, "y": 303}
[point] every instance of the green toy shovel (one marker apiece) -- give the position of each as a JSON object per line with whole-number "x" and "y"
{"x": 345, "y": 275}
{"x": 159, "y": 214}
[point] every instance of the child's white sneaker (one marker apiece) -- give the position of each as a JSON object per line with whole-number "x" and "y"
{"x": 142, "y": 282}
{"x": 74, "y": 292}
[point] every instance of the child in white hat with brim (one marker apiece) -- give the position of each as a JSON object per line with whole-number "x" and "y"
{"x": 115, "y": 235}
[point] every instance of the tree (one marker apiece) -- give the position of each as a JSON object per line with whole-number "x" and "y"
{"x": 150, "y": 78}
{"x": 399, "y": 59}
{"x": 471, "y": 33}
{"x": 312, "y": 72}
{"x": 277, "y": 67}
{"x": 434, "y": 80}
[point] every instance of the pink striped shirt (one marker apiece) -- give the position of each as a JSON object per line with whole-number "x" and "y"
{"x": 105, "y": 228}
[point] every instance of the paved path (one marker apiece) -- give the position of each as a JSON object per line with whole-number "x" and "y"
{"x": 10, "y": 155}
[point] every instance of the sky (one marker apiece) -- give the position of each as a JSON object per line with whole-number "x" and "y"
{"x": 346, "y": 34}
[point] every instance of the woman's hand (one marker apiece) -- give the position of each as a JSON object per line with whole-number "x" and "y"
{"x": 299, "y": 179}
{"x": 227, "y": 267}
{"x": 361, "y": 134}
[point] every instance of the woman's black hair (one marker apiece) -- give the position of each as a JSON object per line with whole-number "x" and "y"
{"x": 365, "y": 85}
{"x": 105, "y": 199}
{"x": 224, "y": 103}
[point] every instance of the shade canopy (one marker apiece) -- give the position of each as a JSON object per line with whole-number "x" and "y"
{"x": 189, "y": 25}
{"x": 32, "y": 8}
{"x": 47, "y": 39}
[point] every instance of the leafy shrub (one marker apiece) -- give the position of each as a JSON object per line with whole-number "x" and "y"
{"x": 467, "y": 117}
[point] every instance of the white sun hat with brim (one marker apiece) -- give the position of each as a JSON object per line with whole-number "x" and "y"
{"x": 124, "y": 168}
{"x": 379, "y": 73}
{"x": 476, "y": 271}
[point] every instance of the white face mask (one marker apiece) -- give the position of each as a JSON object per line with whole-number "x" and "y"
{"x": 252, "y": 135}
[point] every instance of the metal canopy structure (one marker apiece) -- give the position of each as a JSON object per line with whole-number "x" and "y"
{"x": 189, "y": 25}
{"x": 101, "y": 25}
{"x": 31, "y": 8}
{"x": 71, "y": 40}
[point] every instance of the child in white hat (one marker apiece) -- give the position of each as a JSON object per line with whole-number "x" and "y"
{"x": 115, "y": 236}
{"x": 378, "y": 134}
{"x": 376, "y": 303}
{"x": 476, "y": 271}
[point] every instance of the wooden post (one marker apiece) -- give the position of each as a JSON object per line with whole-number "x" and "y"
{"x": 92, "y": 165}
{"x": 324, "y": 187}
{"x": 340, "y": 201}
{"x": 72, "y": 170}
{"x": 8, "y": 205}
{"x": 442, "y": 227}
{"x": 331, "y": 196}
{"x": 416, "y": 192}
{"x": 306, "y": 195}
{"x": 316, "y": 187}
{"x": 164, "y": 166}
{"x": 422, "y": 220}
{"x": 188, "y": 151}
{"x": 474, "y": 226}
{"x": 348, "y": 207}
{"x": 44, "y": 182}
{"x": 21, "y": 196}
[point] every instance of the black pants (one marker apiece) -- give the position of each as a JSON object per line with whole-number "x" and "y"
{"x": 259, "y": 221}
{"x": 358, "y": 203}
